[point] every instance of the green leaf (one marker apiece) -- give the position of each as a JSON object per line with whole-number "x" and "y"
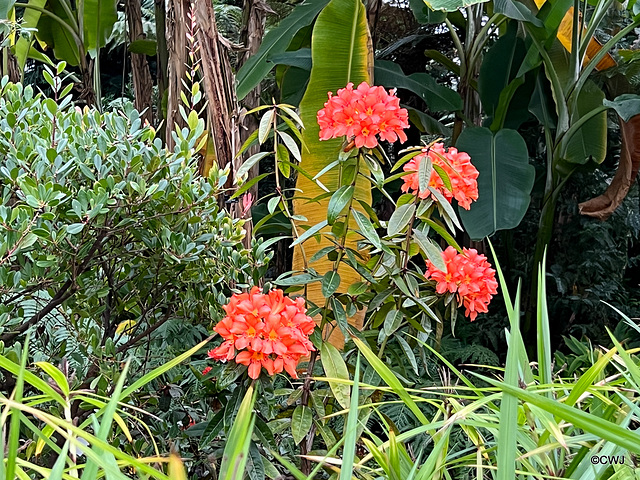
{"x": 430, "y": 249}
{"x": 390, "y": 379}
{"x": 301, "y": 421}
{"x": 339, "y": 200}
{"x": 266, "y": 122}
{"x": 451, "y": 5}
{"x": 392, "y": 321}
{"x": 400, "y": 218}
{"x": 275, "y": 41}
{"x": 56, "y": 375}
{"x": 366, "y": 228}
{"x": 335, "y": 368}
{"x": 30, "y": 19}
{"x": 589, "y": 142}
{"x": 424, "y": 14}
{"x": 5, "y": 8}
{"x": 250, "y": 162}
{"x": 351, "y": 428}
{"x": 144, "y": 47}
{"x": 99, "y": 19}
{"x": 291, "y": 145}
{"x": 498, "y": 71}
{"x": 59, "y": 35}
{"x": 302, "y": 279}
{"x": 626, "y": 106}
{"x": 438, "y": 97}
{"x": 504, "y": 183}
{"x": 236, "y": 449}
{"x": 310, "y": 232}
{"x": 75, "y": 228}
{"x": 609, "y": 431}
{"x": 330, "y": 283}
{"x": 516, "y": 10}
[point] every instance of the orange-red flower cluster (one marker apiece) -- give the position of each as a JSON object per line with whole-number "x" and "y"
{"x": 469, "y": 275}
{"x": 362, "y": 114}
{"x": 461, "y": 172}
{"x": 265, "y": 330}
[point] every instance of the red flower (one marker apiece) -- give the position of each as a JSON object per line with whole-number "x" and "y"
{"x": 468, "y": 274}
{"x": 269, "y": 331}
{"x": 206, "y": 370}
{"x": 458, "y": 166}
{"x": 363, "y": 113}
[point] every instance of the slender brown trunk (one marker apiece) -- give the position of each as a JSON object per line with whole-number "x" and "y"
{"x": 254, "y": 18}
{"x": 142, "y": 82}
{"x": 373, "y": 13}
{"x": 176, "y": 33}
{"x": 162, "y": 59}
{"x": 218, "y": 85}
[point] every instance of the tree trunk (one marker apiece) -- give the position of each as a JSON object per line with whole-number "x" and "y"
{"x": 162, "y": 59}
{"x": 222, "y": 106}
{"x": 254, "y": 17}
{"x": 142, "y": 82}
{"x": 176, "y": 34}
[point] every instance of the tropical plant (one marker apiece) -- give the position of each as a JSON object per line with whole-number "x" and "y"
{"x": 108, "y": 240}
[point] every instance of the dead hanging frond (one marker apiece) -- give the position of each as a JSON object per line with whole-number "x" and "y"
{"x": 603, "y": 206}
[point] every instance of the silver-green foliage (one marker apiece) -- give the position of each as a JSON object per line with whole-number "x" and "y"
{"x": 106, "y": 234}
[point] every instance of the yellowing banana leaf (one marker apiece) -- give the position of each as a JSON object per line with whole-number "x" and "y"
{"x": 341, "y": 52}
{"x": 565, "y": 35}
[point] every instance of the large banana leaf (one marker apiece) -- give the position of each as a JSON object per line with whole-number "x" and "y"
{"x": 504, "y": 183}
{"x": 590, "y": 141}
{"x": 437, "y": 97}
{"x": 276, "y": 41}
{"x": 30, "y": 19}
{"x": 50, "y": 31}
{"x": 341, "y": 53}
{"x": 99, "y": 18}
{"x": 5, "y": 8}
{"x": 451, "y": 5}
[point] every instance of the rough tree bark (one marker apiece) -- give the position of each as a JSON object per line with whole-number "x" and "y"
{"x": 162, "y": 59}
{"x": 254, "y": 18}
{"x": 217, "y": 77}
{"x": 142, "y": 82}
{"x": 177, "y": 22}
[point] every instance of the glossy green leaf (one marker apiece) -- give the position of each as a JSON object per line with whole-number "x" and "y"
{"x": 301, "y": 421}
{"x": 275, "y": 41}
{"x": 437, "y": 97}
{"x": 339, "y": 200}
{"x": 589, "y": 142}
{"x": 30, "y": 19}
{"x": 400, "y": 218}
{"x": 451, "y": 5}
{"x": 626, "y": 106}
{"x": 504, "y": 183}
{"x": 99, "y": 19}
{"x": 335, "y": 368}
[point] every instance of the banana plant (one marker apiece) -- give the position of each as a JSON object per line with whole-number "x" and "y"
{"x": 75, "y": 31}
{"x": 341, "y": 53}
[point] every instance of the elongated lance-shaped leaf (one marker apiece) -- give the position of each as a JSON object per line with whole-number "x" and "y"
{"x": 236, "y": 450}
{"x": 275, "y": 41}
{"x": 341, "y": 53}
{"x": 390, "y": 379}
{"x": 507, "y": 440}
{"x": 91, "y": 468}
{"x": 544, "y": 337}
{"x": 609, "y": 431}
{"x": 351, "y": 428}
